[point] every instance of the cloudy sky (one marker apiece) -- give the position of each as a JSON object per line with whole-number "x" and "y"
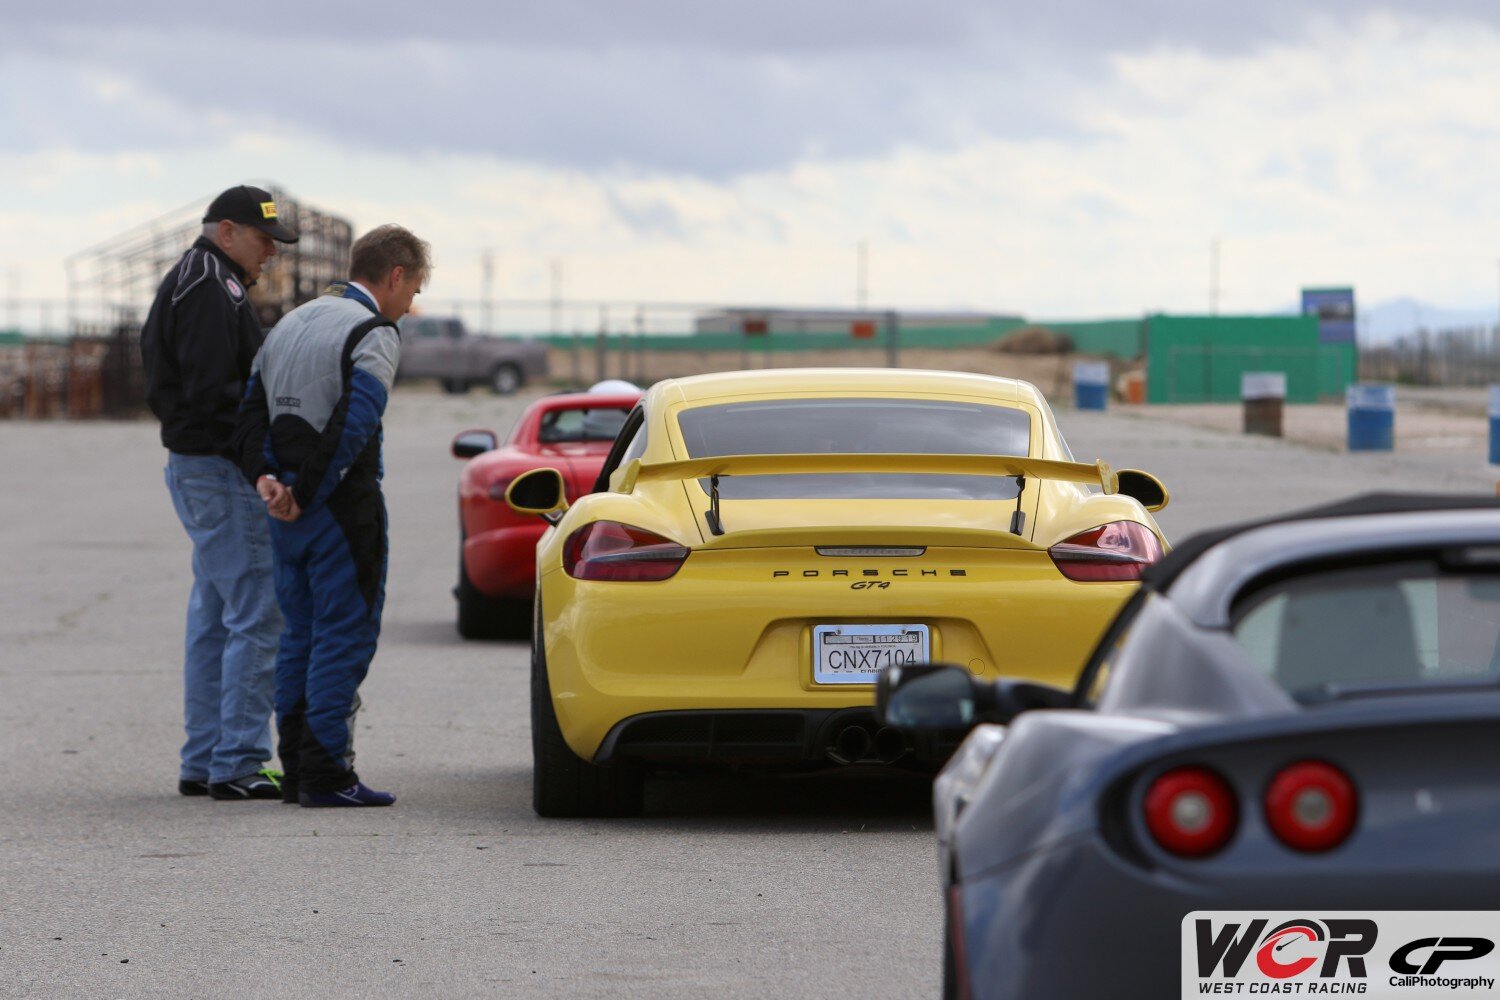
{"x": 1065, "y": 159}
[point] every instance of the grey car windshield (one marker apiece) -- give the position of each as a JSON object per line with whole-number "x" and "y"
{"x": 1410, "y": 622}
{"x": 858, "y": 426}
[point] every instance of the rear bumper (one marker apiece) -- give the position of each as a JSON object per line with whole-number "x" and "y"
{"x": 733, "y": 631}
{"x": 502, "y": 562}
{"x": 779, "y": 738}
{"x": 1024, "y": 922}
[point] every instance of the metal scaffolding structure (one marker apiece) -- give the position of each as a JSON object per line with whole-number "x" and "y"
{"x": 111, "y": 285}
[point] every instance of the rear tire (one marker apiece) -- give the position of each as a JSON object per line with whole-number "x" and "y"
{"x": 505, "y": 379}
{"x": 950, "y": 962}
{"x": 455, "y": 386}
{"x": 483, "y": 617}
{"x": 562, "y": 783}
{"x": 950, "y": 953}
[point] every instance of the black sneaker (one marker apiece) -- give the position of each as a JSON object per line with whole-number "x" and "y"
{"x": 263, "y": 784}
{"x": 187, "y": 786}
{"x": 357, "y": 794}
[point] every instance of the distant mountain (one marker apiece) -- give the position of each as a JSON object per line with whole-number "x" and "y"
{"x": 1398, "y": 317}
{"x": 1394, "y": 318}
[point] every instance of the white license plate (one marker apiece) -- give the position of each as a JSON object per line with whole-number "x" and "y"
{"x": 855, "y": 654}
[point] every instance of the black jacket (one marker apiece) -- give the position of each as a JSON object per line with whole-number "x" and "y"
{"x": 198, "y": 344}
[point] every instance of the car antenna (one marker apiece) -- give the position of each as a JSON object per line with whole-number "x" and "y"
{"x": 712, "y": 514}
{"x": 1018, "y": 517}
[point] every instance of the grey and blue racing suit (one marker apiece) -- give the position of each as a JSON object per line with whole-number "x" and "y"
{"x": 312, "y": 416}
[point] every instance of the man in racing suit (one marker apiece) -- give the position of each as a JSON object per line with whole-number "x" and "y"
{"x": 309, "y": 437}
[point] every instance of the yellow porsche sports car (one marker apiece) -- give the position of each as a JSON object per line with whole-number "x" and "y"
{"x": 759, "y": 544}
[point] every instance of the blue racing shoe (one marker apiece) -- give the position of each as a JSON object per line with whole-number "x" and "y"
{"x": 356, "y": 794}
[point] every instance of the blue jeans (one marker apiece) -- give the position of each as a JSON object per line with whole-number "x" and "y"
{"x": 229, "y": 669}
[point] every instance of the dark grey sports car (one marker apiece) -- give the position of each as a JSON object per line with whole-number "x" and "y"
{"x": 1300, "y": 714}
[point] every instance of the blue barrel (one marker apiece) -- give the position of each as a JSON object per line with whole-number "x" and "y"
{"x": 1091, "y": 385}
{"x": 1372, "y": 416}
{"x": 1495, "y": 425}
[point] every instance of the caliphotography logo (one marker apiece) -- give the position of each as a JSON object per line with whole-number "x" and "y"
{"x": 1374, "y": 954}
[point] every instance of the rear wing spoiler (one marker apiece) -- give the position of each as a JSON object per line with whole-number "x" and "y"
{"x": 1098, "y": 474}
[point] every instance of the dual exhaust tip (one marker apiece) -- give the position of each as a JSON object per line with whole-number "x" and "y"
{"x": 855, "y": 745}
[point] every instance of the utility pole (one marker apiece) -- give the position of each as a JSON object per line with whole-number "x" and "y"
{"x": 487, "y": 289}
{"x": 1213, "y": 277}
{"x": 69, "y": 266}
{"x": 14, "y": 272}
{"x": 601, "y": 346}
{"x": 557, "y": 279}
{"x": 862, "y": 275}
{"x": 640, "y": 345}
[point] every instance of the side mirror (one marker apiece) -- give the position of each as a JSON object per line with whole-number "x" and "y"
{"x": 540, "y": 491}
{"x": 940, "y": 697}
{"x": 471, "y": 443}
{"x": 1145, "y": 487}
{"x": 926, "y": 696}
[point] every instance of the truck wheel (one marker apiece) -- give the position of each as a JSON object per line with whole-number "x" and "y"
{"x": 505, "y": 379}
{"x": 562, "y": 783}
{"x": 455, "y": 386}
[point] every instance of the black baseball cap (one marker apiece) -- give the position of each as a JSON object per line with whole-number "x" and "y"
{"x": 250, "y": 206}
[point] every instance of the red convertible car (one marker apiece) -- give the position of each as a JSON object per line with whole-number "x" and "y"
{"x": 497, "y": 551}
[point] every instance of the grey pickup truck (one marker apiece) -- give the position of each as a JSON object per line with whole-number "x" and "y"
{"x": 439, "y": 347}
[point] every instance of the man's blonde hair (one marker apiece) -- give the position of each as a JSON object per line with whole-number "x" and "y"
{"x": 385, "y": 247}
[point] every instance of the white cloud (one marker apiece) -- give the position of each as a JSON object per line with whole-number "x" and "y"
{"x": 1360, "y": 151}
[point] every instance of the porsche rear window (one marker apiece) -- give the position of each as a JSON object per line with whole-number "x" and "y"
{"x": 1407, "y": 623}
{"x": 858, "y": 426}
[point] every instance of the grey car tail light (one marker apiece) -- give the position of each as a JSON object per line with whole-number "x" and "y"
{"x": 1191, "y": 812}
{"x": 1311, "y": 806}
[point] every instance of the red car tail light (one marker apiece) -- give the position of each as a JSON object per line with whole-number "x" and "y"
{"x": 608, "y": 550}
{"x": 1120, "y": 550}
{"x": 1311, "y": 806}
{"x": 1191, "y": 811}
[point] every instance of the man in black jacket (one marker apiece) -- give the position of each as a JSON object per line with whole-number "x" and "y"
{"x": 198, "y": 344}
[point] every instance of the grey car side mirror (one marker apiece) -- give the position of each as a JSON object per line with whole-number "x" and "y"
{"x": 941, "y": 697}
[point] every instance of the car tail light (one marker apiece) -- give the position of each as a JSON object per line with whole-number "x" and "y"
{"x": 957, "y": 952}
{"x": 1120, "y": 550}
{"x": 1311, "y": 806}
{"x": 1191, "y": 811}
{"x": 608, "y": 550}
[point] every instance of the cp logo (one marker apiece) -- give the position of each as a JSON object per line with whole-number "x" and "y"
{"x": 1448, "y": 949}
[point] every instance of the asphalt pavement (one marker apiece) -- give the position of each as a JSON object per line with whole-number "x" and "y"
{"x": 112, "y": 885}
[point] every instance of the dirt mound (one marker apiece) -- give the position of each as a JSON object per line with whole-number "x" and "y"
{"x": 1035, "y": 340}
